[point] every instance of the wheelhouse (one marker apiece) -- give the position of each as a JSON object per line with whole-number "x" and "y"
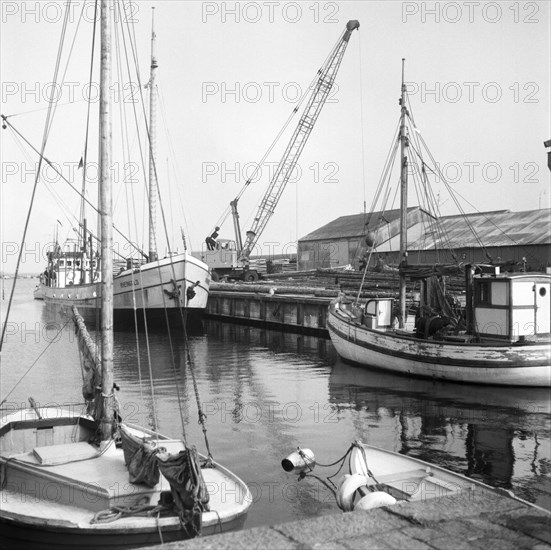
{"x": 513, "y": 307}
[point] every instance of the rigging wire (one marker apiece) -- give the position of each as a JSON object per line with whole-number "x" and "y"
{"x": 436, "y": 229}
{"x": 85, "y": 155}
{"x": 362, "y": 125}
{"x": 37, "y": 176}
{"x": 60, "y": 174}
{"x": 182, "y": 314}
{"x": 40, "y": 109}
{"x": 146, "y": 327}
{"x": 66, "y": 64}
{"x": 126, "y": 155}
{"x": 439, "y": 173}
{"x": 454, "y": 193}
{"x": 52, "y": 340}
{"x": 173, "y": 158}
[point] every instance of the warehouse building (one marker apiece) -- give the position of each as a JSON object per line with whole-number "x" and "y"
{"x": 521, "y": 238}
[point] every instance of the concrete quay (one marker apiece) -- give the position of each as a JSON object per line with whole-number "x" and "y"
{"x": 474, "y": 520}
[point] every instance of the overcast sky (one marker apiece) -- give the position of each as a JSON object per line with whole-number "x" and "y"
{"x": 229, "y": 74}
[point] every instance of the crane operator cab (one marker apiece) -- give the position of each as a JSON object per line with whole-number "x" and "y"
{"x": 221, "y": 257}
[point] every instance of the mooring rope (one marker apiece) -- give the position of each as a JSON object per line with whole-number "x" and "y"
{"x": 140, "y": 508}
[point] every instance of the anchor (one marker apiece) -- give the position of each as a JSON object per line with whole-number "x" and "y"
{"x": 173, "y": 294}
{"x": 190, "y": 292}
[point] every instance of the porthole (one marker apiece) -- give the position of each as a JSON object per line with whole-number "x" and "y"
{"x": 543, "y": 291}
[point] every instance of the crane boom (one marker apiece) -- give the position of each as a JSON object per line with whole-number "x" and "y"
{"x": 326, "y": 78}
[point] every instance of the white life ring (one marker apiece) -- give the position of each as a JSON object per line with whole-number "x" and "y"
{"x": 70, "y": 275}
{"x": 348, "y": 485}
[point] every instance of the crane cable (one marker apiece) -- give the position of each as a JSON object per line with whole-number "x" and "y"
{"x": 259, "y": 165}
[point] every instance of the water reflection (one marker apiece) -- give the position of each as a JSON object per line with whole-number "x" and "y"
{"x": 265, "y": 392}
{"x": 495, "y": 434}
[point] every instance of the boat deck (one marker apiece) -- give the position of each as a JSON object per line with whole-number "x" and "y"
{"x": 79, "y": 489}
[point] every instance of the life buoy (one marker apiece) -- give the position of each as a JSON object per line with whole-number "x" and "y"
{"x": 70, "y": 276}
{"x": 348, "y": 485}
{"x": 375, "y": 500}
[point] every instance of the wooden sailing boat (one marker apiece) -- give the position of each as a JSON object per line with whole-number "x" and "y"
{"x": 504, "y": 339}
{"x": 159, "y": 287}
{"x": 66, "y": 480}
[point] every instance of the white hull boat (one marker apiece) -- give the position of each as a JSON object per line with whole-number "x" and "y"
{"x": 167, "y": 286}
{"x": 518, "y": 360}
{"x": 59, "y": 491}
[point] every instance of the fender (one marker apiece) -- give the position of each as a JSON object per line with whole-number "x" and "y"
{"x": 375, "y": 500}
{"x": 348, "y": 485}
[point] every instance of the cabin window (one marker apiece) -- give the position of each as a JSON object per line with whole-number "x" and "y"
{"x": 483, "y": 295}
{"x": 61, "y": 263}
{"x": 77, "y": 263}
{"x": 543, "y": 291}
{"x": 69, "y": 263}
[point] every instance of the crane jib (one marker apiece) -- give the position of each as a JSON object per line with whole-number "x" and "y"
{"x": 352, "y": 25}
{"x": 325, "y": 78}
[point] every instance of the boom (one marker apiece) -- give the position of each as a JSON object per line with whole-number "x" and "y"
{"x": 321, "y": 89}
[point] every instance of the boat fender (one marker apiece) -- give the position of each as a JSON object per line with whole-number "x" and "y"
{"x": 299, "y": 461}
{"x": 374, "y": 500}
{"x": 348, "y": 485}
{"x": 358, "y": 461}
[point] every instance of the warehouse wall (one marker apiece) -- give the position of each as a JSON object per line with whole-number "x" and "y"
{"x": 316, "y": 254}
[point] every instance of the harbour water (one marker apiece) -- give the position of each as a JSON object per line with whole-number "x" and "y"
{"x": 264, "y": 393}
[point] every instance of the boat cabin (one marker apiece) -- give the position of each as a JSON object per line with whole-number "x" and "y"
{"x": 511, "y": 306}
{"x": 378, "y": 313}
{"x": 70, "y": 266}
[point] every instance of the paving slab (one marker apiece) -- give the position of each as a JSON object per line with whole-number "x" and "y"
{"x": 258, "y": 537}
{"x": 341, "y": 526}
{"x": 470, "y": 521}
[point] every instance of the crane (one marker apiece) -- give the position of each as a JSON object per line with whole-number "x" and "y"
{"x": 235, "y": 262}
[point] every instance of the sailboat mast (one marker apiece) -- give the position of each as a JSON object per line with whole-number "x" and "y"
{"x": 106, "y": 225}
{"x": 152, "y": 144}
{"x": 403, "y": 199}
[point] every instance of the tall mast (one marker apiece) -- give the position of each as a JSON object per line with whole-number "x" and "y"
{"x": 106, "y": 225}
{"x": 152, "y": 144}
{"x": 403, "y": 199}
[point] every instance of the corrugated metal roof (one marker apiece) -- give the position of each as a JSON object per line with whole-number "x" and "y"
{"x": 354, "y": 226}
{"x": 496, "y": 228}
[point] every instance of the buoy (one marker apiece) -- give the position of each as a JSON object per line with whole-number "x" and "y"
{"x": 348, "y": 485}
{"x": 300, "y": 460}
{"x": 374, "y": 500}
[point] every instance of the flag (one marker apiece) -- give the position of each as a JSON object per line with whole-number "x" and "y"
{"x": 81, "y": 163}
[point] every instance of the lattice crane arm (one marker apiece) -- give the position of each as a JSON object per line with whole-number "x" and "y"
{"x": 318, "y": 97}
